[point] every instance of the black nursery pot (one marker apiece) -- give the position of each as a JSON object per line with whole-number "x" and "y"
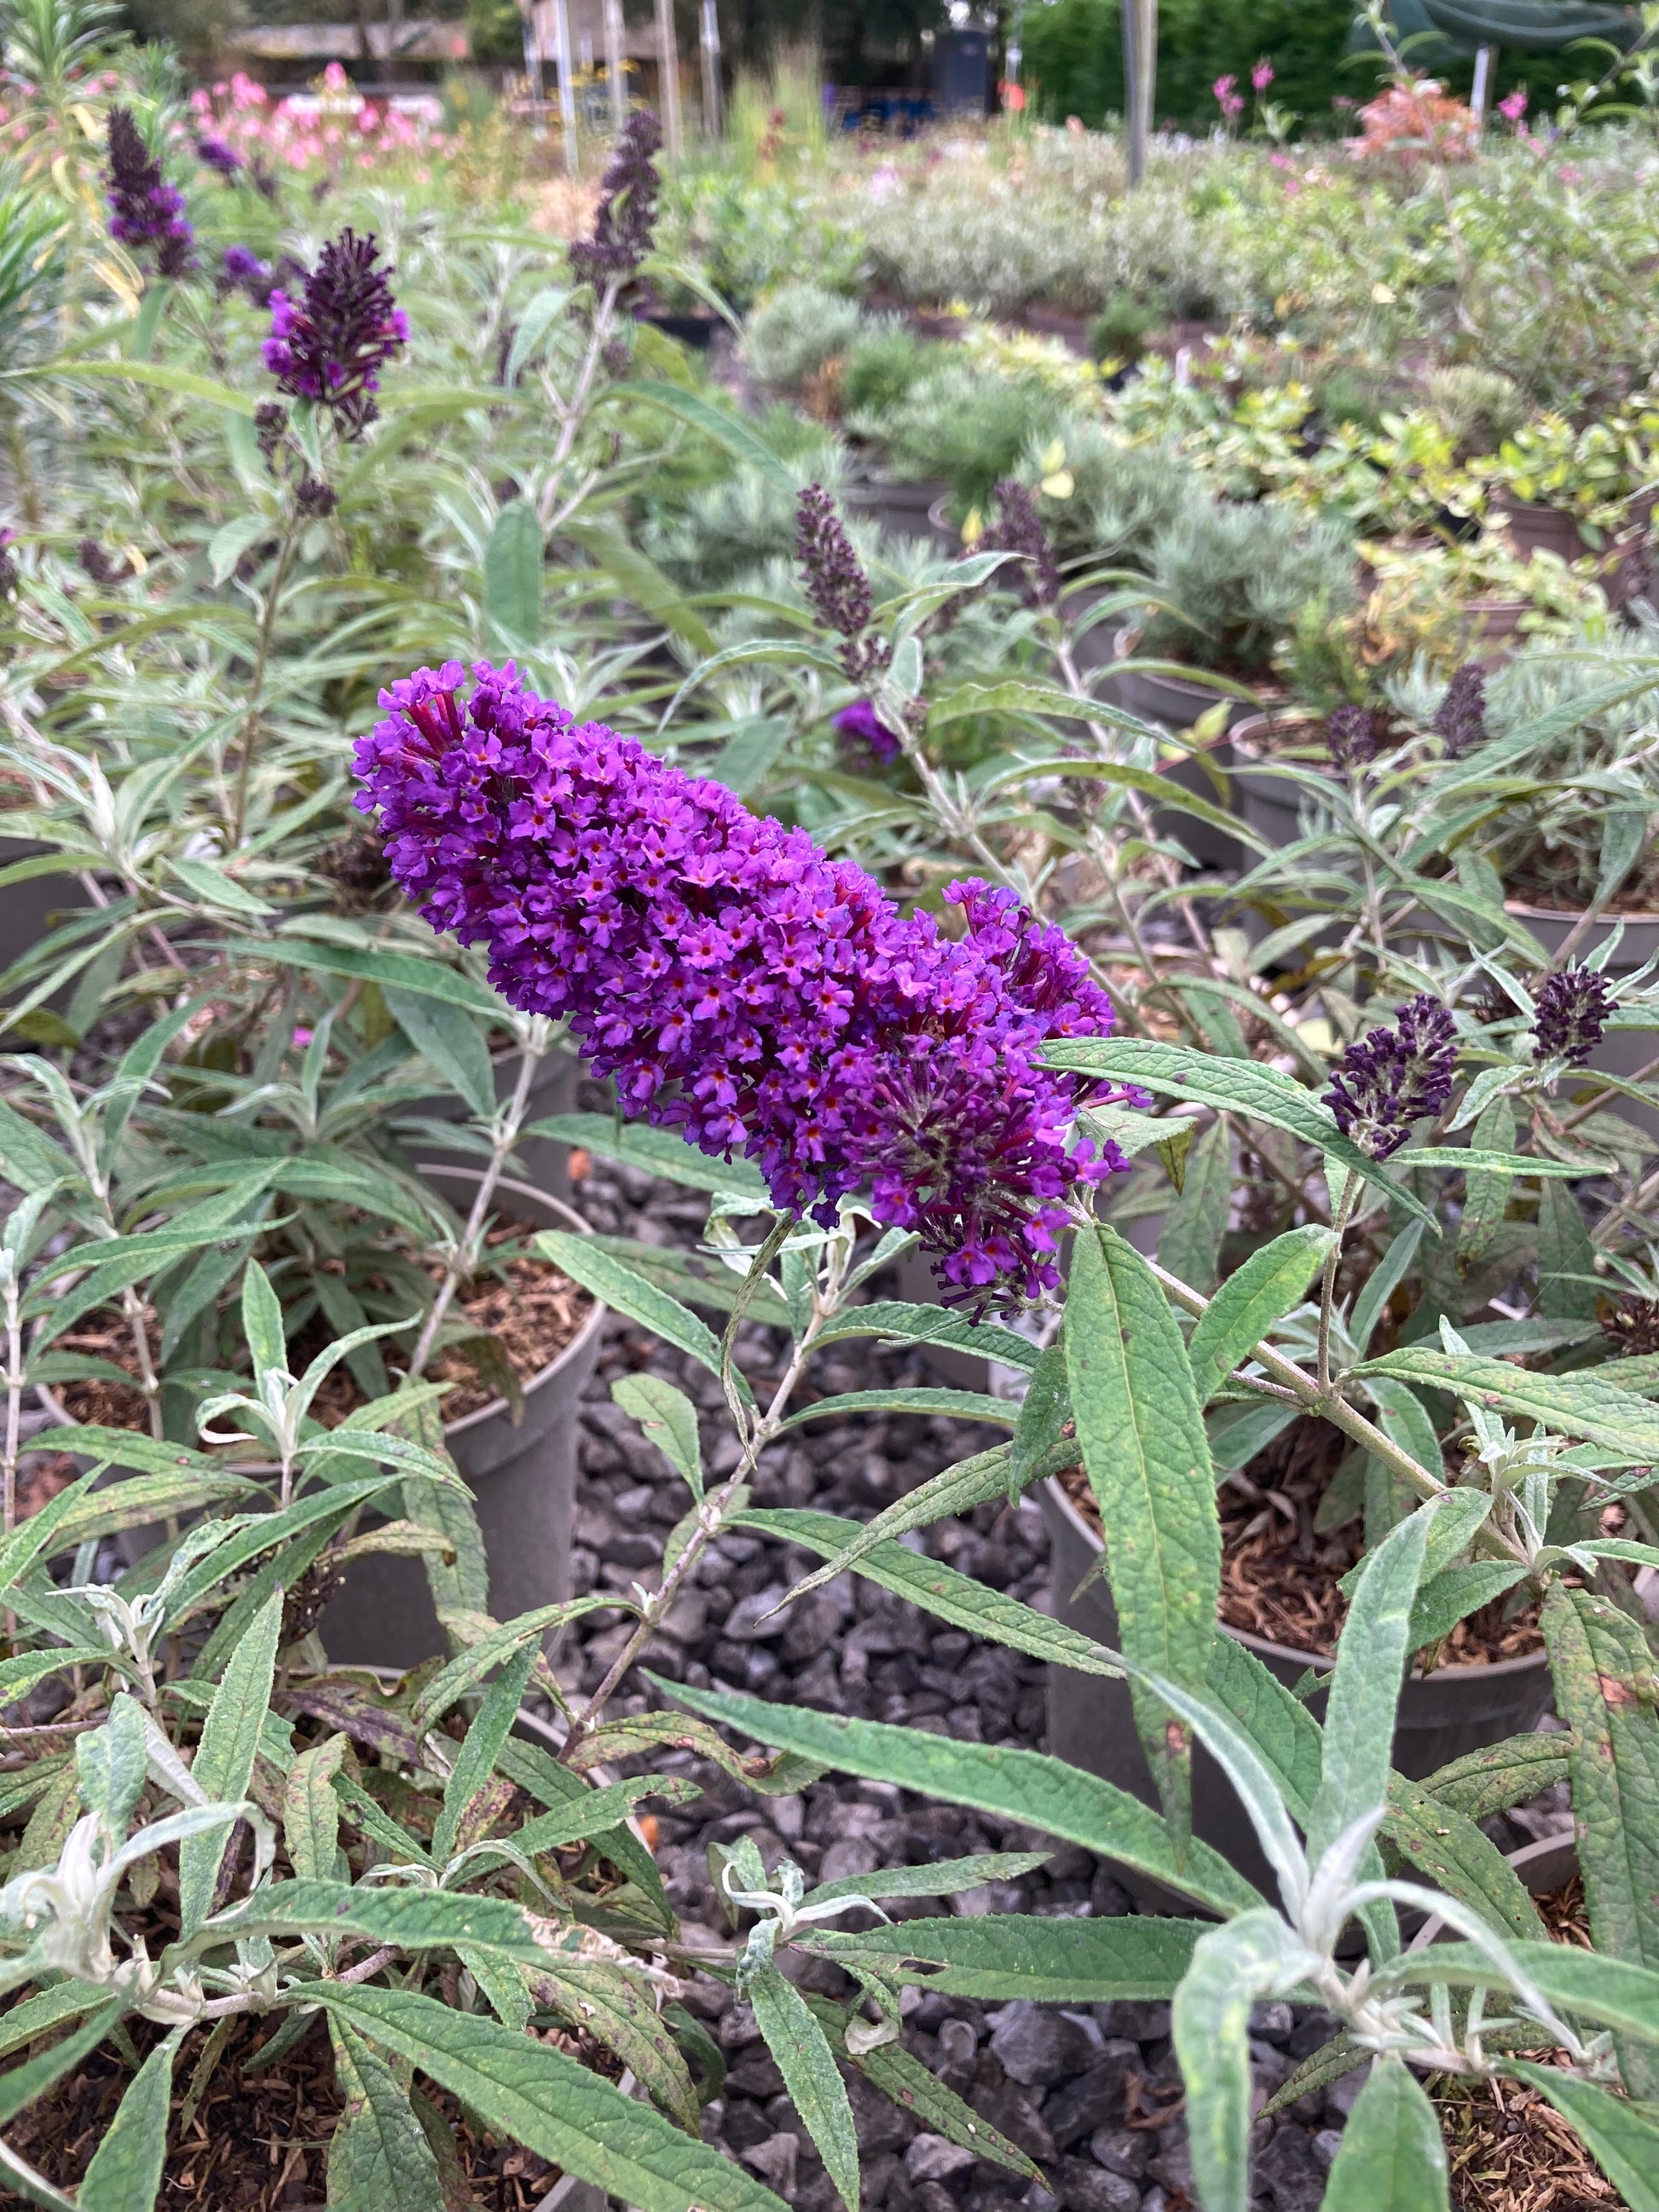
{"x": 1442, "y": 1715}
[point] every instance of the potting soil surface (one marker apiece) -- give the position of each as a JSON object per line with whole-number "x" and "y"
{"x": 532, "y": 1314}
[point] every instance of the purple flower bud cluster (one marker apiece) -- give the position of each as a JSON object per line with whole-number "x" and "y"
{"x": 837, "y": 586}
{"x": 1392, "y": 1077}
{"x": 627, "y": 213}
{"x": 1573, "y": 1012}
{"x": 862, "y": 731}
{"x": 214, "y": 154}
{"x": 332, "y": 344}
{"x": 742, "y": 988}
{"x": 145, "y": 211}
{"x": 1019, "y": 530}
{"x": 1460, "y": 720}
{"x": 1355, "y": 735}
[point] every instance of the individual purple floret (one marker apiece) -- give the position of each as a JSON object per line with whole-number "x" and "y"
{"x": 1392, "y": 1077}
{"x": 862, "y": 729}
{"x": 627, "y": 213}
{"x": 1573, "y": 1012}
{"x": 837, "y": 586}
{"x": 742, "y": 988}
{"x": 1460, "y": 720}
{"x": 332, "y": 344}
{"x": 1019, "y": 529}
{"x": 214, "y": 154}
{"x": 145, "y": 211}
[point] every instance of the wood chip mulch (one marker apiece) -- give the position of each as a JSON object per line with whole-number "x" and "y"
{"x": 534, "y": 1313}
{"x": 259, "y": 2143}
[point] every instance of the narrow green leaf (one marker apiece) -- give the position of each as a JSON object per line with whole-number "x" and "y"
{"x": 1392, "y": 2158}
{"x": 476, "y": 1760}
{"x": 379, "y": 2156}
{"x": 1566, "y": 1257}
{"x": 1230, "y": 1087}
{"x": 409, "y": 1919}
{"x": 954, "y": 1405}
{"x": 224, "y": 1759}
{"x": 381, "y": 963}
{"x": 1044, "y": 1793}
{"x": 310, "y": 1810}
{"x": 1232, "y": 1966}
{"x": 500, "y": 1644}
{"x": 1365, "y": 1683}
{"x": 1483, "y": 1782}
{"x": 112, "y": 1762}
{"x": 908, "y": 1324}
{"x": 1382, "y": 1283}
{"x": 597, "y": 1811}
{"x": 1487, "y": 1189}
{"x": 534, "y": 2094}
{"x": 540, "y": 313}
{"x": 1456, "y": 1594}
{"x": 619, "y": 2010}
{"x": 727, "y": 428}
{"x": 909, "y": 2084}
{"x": 946, "y": 1878}
{"x": 125, "y": 2172}
{"x": 1454, "y": 1853}
{"x": 1148, "y": 1462}
{"x": 808, "y": 2067}
{"x": 657, "y": 1152}
{"x": 1571, "y": 1405}
{"x": 1190, "y": 1244}
{"x": 512, "y": 574}
{"x": 21, "y": 2087}
{"x": 669, "y": 1420}
{"x": 450, "y": 1043}
{"x": 1623, "y": 2140}
{"x": 262, "y": 1321}
{"x": 998, "y": 1956}
{"x": 628, "y": 1293}
{"x": 1591, "y": 1983}
{"x": 1604, "y": 1691}
{"x": 1254, "y": 1297}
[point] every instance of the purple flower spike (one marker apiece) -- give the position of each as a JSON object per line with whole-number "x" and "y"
{"x": 1460, "y": 720}
{"x": 1019, "y": 530}
{"x": 332, "y": 344}
{"x": 742, "y": 988}
{"x": 627, "y": 214}
{"x": 861, "y": 727}
{"x": 1355, "y": 735}
{"x": 1573, "y": 1012}
{"x": 145, "y": 211}
{"x": 214, "y": 154}
{"x": 836, "y": 583}
{"x": 1395, "y": 1077}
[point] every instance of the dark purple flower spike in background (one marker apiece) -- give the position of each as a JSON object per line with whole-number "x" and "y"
{"x": 146, "y": 213}
{"x": 1392, "y": 1077}
{"x": 330, "y": 345}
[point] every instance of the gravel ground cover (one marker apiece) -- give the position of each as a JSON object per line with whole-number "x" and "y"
{"x": 1093, "y": 2095}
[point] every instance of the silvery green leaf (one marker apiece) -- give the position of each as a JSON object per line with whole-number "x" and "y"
{"x": 1232, "y": 1967}
{"x": 224, "y": 1759}
{"x": 1392, "y": 2158}
{"x": 808, "y": 2067}
{"x": 112, "y": 1764}
{"x": 125, "y": 2173}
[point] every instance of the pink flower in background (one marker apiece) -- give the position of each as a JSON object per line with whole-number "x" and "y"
{"x": 1570, "y": 173}
{"x": 1262, "y": 75}
{"x": 1513, "y": 105}
{"x": 1228, "y": 100}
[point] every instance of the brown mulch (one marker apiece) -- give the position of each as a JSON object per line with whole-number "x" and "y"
{"x": 258, "y": 2143}
{"x": 1509, "y": 2150}
{"x": 535, "y": 1313}
{"x": 1280, "y": 1575}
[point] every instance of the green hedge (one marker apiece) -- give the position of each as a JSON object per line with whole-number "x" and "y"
{"x": 1074, "y": 60}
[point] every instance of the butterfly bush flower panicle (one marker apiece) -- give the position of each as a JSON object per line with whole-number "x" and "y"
{"x": 330, "y": 343}
{"x": 1394, "y": 1077}
{"x": 145, "y": 212}
{"x": 836, "y": 587}
{"x": 740, "y": 987}
{"x": 1019, "y": 530}
{"x": 215, "y": 154}
{"x": 1573, "y": 1012}
{"x": 626, "y": 217}
{"x": 1460, "y": 720}
{"x": 1355, "y": 735}
{"x": 862, "y": 731}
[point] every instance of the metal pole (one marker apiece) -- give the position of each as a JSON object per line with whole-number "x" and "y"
{"x": 1140, "y": 78}
{"x": 1014, "y": 50}
{"x": 616, "y": 74}
{"x": 567, "y": 84}
{"x": 1485, "y": 66}
{"x": 713, "y": 120}
{"x": 668, "y": 68}
{"x": 532, "y": 61}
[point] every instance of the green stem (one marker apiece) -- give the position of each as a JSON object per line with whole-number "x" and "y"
{"x": 256, "y": 686}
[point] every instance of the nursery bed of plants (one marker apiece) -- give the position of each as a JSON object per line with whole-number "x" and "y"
{"x": 828, "y": 1122}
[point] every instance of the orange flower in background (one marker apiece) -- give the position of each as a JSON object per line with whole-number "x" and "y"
{"x": 1012, "y": 97}
{"x": 1417, "y": 121}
